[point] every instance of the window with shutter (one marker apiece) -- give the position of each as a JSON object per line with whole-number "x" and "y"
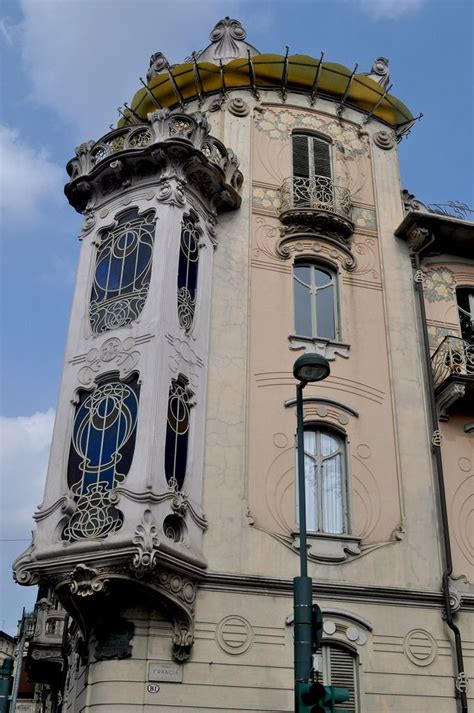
{"x": 311, "y": 156}
{"x": 340, "y": 669}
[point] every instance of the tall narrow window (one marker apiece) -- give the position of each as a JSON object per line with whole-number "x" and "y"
{"x": 465, "y": 300}
{"x": 177, "y": 432}
{"x": 123, "y": 271}
{"x": 311, "y": 156}
{"x": 324, "y": 466}
{"x": 315, "y": 301}
{"x": 187, "y": 272}
{"x": 312, "y": 184}
{"x": 340, "y": 670}
{"x": 100, "y": 456}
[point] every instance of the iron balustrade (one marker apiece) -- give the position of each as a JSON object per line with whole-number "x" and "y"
{"x": 318, "y": 193}
{"x": 453, "y": 356}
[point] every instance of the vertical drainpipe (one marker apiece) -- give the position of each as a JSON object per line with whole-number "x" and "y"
{"x": 436, "y": 450}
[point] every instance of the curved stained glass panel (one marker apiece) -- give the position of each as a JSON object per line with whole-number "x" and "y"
{"x": 101, "y": 453}
{"x": 187, "y": 272}
{"x": 123, "y": 271}
{"x": 177, "y": 432}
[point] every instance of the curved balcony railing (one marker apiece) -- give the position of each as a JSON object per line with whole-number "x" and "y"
{"x": 318, "y": 193}
{"x": 453, "y": 356}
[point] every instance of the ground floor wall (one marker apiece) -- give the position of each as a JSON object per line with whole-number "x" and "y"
{"x": 242, "y": 658}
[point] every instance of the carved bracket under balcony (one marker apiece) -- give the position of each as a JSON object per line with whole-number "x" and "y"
{"x": 170, "y": 147}
{"x": 317, "y": 204}
{"x": 90, "y": 594}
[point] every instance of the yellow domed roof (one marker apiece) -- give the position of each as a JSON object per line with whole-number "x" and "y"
{"x": 297, "y": 73}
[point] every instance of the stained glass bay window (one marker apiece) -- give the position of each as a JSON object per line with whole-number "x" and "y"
{"x": 188, "y": 272}
{"x": 122, "y": 272}
{"x": 100, "y": 456}
{"x": 177, "y": 432}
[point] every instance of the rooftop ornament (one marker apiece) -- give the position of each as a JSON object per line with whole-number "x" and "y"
{"x": 231, "y": 63}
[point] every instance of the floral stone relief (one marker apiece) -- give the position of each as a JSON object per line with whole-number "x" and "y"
{"x": 439, "y": 284}
{"x": 280, "y": 124}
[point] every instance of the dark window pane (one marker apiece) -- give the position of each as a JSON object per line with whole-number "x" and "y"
{"x": 100, "y": 456}
{"x": 465, "y": 299}
{"x": 321, "y": 277}
{"x": 325, "y": 313}
{"x": 303, "y": 273}
{"x": 123, "y": 270}
{"x": 302, "y": 300}
{"x": 187, "y": 272}
{"x": 177, "y": 431}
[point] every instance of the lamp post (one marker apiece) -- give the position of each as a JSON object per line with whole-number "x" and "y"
{"x": 307, "y": 368}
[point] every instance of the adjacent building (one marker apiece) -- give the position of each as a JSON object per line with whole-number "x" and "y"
{"x": 247, "y": 210}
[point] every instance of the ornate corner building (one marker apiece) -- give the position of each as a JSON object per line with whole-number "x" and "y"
{"x": 248, "y": 209}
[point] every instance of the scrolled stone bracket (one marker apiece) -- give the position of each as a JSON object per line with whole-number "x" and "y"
{"x": 86, "y": 581}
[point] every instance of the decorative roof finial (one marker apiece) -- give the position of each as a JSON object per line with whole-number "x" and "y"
{"x": 380, "y": 72}
{"x": 227, "y": 43}
{"x": 158, "y": 63}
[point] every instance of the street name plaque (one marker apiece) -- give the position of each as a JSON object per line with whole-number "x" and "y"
{"x": 165, "y": 671}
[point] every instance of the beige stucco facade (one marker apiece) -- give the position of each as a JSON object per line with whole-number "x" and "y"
{"x": 379, "y": 583}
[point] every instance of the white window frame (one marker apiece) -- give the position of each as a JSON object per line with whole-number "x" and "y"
{"x": 315, "y": 508}
{"x": 313, "y": 291}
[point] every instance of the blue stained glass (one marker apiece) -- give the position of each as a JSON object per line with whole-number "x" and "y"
{"x": 177, "y": 432}
{"x": 103, "y": 438}
{"x": 188, "y": 272}
{"x": 123, "y": 271}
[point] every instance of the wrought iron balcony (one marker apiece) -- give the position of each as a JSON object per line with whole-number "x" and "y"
{"x": 318, "y": 202}
{"x": 453, "y": 356}
{"x": 453, "y": 373}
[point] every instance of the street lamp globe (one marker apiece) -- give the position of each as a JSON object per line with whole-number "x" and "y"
{"x": 311, "y": 367}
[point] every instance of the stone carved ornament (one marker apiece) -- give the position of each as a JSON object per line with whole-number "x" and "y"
{"x": 175, "y": 148}
{"x": 177, "y": 591}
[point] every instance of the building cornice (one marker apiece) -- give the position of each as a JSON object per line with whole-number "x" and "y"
{"x": 276, "y": 586}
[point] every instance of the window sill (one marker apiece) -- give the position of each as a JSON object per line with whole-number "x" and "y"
{"x": 327, "y": 348}
{"x": 329, "y": 547}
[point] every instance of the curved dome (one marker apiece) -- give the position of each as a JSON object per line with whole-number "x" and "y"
{"x": 298, "y": 73}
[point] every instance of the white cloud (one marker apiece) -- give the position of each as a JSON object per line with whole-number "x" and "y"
{"x": 84, "y": 57}
{"x": 28, "y": 178}
{"x": 24, "y": 452}
{"x": 390, "y": 9}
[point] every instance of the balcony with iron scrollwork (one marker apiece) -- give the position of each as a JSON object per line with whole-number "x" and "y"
{"x": 318, "y": 204}
{"x": 453, "y": 374}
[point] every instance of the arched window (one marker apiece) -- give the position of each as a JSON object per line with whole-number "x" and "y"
{"x": 187, "y": 272}
{"x": 100, "y": 456}
{"x": 325, "y": 480}
{"x": 315, "y": 301}
{"x": 177, "y": 432}
{"x": 339, "y": 668}
{"x": 122, "y": 272}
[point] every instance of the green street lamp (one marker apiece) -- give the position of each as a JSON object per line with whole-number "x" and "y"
{"x": 308, "y": 368}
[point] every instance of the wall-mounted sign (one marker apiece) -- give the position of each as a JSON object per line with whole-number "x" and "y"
{"x": 153, "y": 688}
{"x": 165, "y": 671}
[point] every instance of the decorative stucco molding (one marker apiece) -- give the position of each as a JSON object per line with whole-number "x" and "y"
{"x": 147, "y": 541}
{"x": 174, "y": 149}
{"x": 385, "y": 140}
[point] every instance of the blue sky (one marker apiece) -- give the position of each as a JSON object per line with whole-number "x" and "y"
{"x": 66, "y": 67}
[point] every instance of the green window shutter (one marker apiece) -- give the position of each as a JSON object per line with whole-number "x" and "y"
{"x": 343, "y": 674}
{"x": 300, "y": 156}
{"x": 321, "y": 158}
